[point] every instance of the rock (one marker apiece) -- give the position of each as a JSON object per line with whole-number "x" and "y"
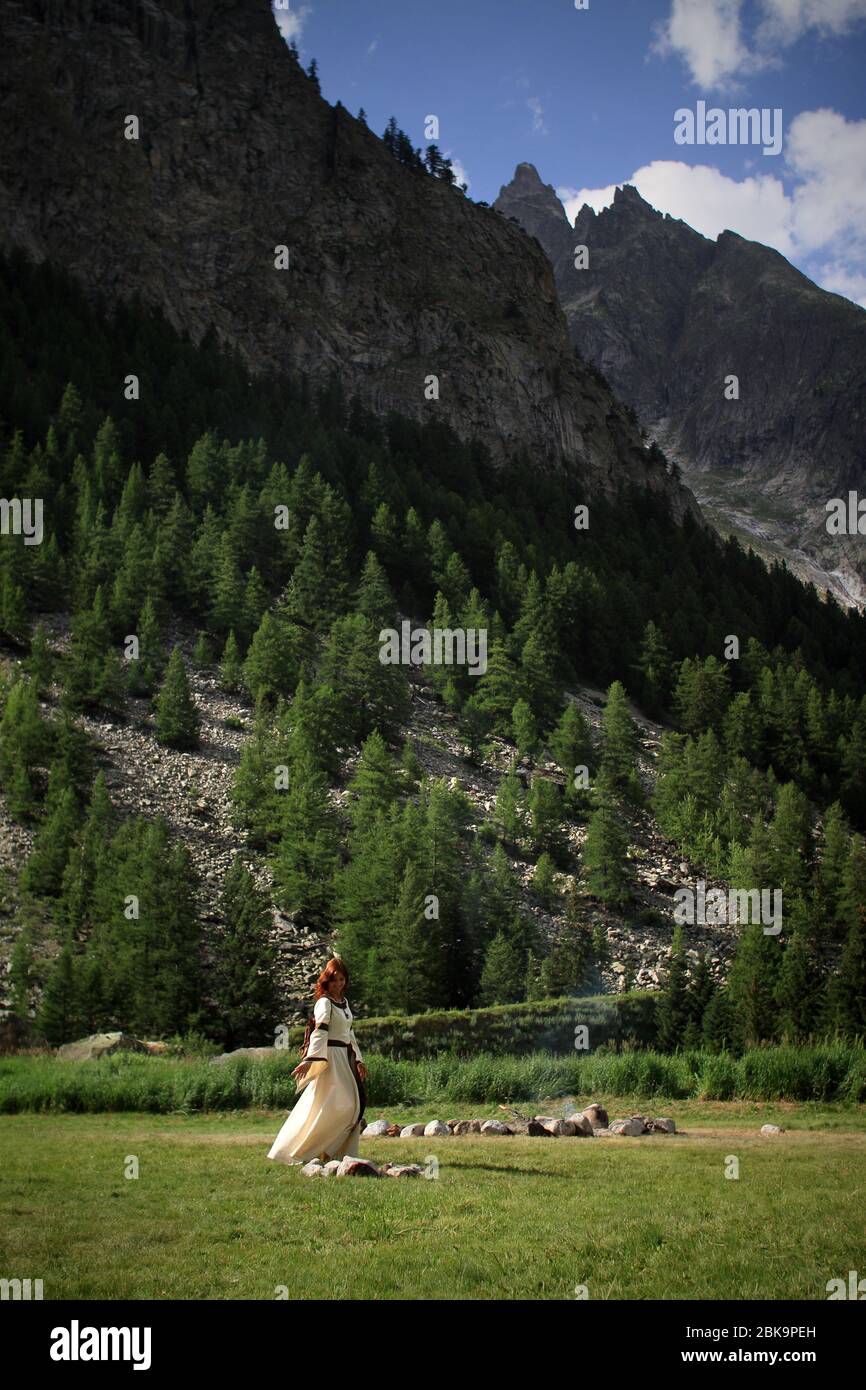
{"x": 412, "y": 1131}
{"x": 393, "y": 1131}
{"x": 597, "y": 1115}
{"x": 99, "y": 1045}
{"x": 403, "y": 1170}
{"x": 313, "y": 1169}
{"x": 331, "y": 1167}
{"x": 661, "y": 1126}
{"x": 462, "y": 1127}
{"x": 556, "y": 1127}
{"x": 357, "y": 1168}
{"x": 252, "y": 1054}
{"x": 436, "y": 1130}
{"x": 476, "y": 1126}
{"x": 582, "y": 1124}
{"x": 376, "y": 1129}
{"x": 494, "y": 1127}
{"x": 771, "y": 1129}
{"x": 629, "y": 1128}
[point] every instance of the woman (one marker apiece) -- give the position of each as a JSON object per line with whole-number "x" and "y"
{"x": 328, "y": 1119}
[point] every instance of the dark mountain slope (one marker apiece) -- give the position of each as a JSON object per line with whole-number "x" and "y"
{"x": 667, "y": 315}
{"x": 394, "y": 276}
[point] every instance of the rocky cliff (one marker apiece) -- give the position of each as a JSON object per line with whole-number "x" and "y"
{"x": 667, "y": 315}
{"x": 393, "y": 276}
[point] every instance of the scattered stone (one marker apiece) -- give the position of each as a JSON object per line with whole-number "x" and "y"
{"x": 436, "y": 1130}
{"x": 630, "y": 1129}
{"x": 393, "y": 1131}
{"x": 495, "y": 1127}
{"x": 462, "y": 1127}
{"x": 476, "y": 1126}
{"x": 331, "y": 1167}
{"x": 582, "y": 1124}
{"x": 252, "y": 1054}
{"x": 403, "y": 1170}
{"x": 661, "y": 1126}
{"x": 376, "y": 1129}
{"x": 357, "y": 1168}
{"x": 771, "y": 1129}
{"x": 412, "y": 1131}
{"x": 313, "y": 1169}
{"x": 597, "y": 1115}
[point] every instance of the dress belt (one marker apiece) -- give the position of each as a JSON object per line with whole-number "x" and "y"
{"x": 332, "y": 1042}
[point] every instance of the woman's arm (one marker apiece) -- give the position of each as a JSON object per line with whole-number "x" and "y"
{"x": 317, "y": 1048}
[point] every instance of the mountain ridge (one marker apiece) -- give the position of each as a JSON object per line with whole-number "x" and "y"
{"x": 394, "y": 277}
{"x": 667, "y": 314}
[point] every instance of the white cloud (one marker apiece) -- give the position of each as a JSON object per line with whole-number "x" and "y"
{"x": 460, "y": 174}
{"x": 371, "y": 48}
{"x": 756, "y": 207}
{"x": 786, "y": 21}
{"x": 819, "y": 220}
{"x": 709, "y": 37}
{"x": 535, "y": 106}
{"x": 706, "y": 34}
{"x": 841, "y": 280}
{"x": 290, "y": 22}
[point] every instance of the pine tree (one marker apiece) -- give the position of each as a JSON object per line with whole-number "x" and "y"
{"x": 374, "y": 598}
{"x": 243, "y": 986}
{"x": 22, "y": 972}
{"x": 43, "y": 872}
{"x": 58, "y": 1017}
{"x": 751, "y": 986}
{"x": 605, "y": 853}
{"x": 308, "y": 853}
{"x": 848, "y": 988}
{"x": 410, "y": 961}
{"x": 177, "y": 719}
{"x": 504, "y": 973}
{"x": 673, "y": 1009}
{"x": 510, "y": 812}
{"x": 524, "y": 728}
{"x": 618, "y": 772}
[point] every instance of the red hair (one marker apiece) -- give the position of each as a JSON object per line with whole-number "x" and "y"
{"x": 334, "y": 965}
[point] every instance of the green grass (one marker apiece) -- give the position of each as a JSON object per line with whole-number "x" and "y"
{"x": 518, "y": 1218}
{"x": 160, "y": 1085}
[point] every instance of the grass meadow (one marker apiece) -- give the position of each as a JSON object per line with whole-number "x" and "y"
{"x": 506, "y": 1218}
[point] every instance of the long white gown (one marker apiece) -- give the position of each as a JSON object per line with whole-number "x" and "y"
{"x": 328, "y": 1117}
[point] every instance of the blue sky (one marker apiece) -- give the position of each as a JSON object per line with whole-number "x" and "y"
{"x": 589, "y": 97}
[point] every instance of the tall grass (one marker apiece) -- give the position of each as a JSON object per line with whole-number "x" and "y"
{"x": 129, "y": 1081}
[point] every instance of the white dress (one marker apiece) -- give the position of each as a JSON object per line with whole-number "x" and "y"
{"x": 328, "y": 1117}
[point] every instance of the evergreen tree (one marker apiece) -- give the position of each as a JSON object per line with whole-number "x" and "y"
{"x": 605, "y": 853}
{"x": 58, "y": 1017}
{"x": 674, "y": 1005}
{"x": 177, "y": 719}
{"x": 308, "y": 853}
{"x": 243, "y": 988}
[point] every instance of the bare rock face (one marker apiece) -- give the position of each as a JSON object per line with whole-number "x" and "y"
{"x": 667, "y": 314}
{"x": 392, "y": 276}
{"x": 99, "y": 1045}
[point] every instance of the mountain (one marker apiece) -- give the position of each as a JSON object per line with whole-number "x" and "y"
{"x": 394, "y": 276}
{"x": 667, "y": 314}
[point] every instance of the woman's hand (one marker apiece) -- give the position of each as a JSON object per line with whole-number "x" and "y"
{"x": 301, "y": 1070}
{"x": 362, "y": 1071}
